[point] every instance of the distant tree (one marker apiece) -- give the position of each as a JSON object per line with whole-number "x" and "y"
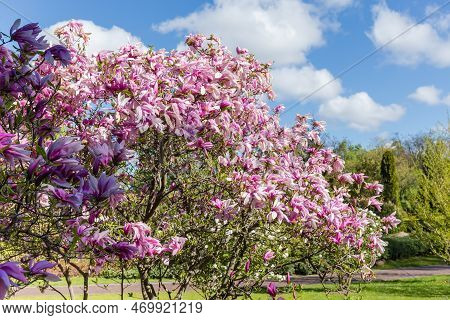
{"x": 389, "y": 179}
{"x": 432, "y": 201}
{"x": 359, "y": 159}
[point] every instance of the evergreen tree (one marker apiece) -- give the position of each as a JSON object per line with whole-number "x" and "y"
{"x": 432, "y": 201}
{"x": 389, "y": 179}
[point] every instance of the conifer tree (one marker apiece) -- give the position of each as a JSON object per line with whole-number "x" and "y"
{"x": 389, "y": 178}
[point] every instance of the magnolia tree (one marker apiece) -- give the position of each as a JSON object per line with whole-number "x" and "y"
{"x": 49, "y": 177}
{"x": 173, "y": 163}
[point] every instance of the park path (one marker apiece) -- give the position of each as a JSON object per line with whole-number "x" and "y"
{"x": 381, "y": 275}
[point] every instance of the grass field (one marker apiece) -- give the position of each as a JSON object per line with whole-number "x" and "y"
{"x": 436, "y": 287}
{"x": 411, "y": 263}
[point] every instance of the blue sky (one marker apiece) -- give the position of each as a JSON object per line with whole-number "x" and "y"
{"x": 403, "y": 89}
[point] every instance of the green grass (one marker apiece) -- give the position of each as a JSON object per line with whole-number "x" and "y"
{"x": 412, "y": 262}
{"x": 435, "y": 287}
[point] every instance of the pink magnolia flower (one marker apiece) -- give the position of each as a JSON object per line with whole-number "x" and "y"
{"x": 390, "y": 222}
{"x": 175, "y": 245}
{"x": 346, "y": 178}
{"x": 378, "y": 188}
{"x": 359, "y": 177}
{"x": 337, "y": 238}
{"x": 201, "y": 144}
{"x": 269, "y": 255}
{"x": 373, "y": 201}
{"x": 137, "y": 230}
{"x": 241, "y": 50}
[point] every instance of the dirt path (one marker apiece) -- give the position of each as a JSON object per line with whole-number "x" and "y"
{"x": 381, "y": 275}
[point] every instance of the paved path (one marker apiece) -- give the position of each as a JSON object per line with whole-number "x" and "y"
{"x": 381, "y": 275}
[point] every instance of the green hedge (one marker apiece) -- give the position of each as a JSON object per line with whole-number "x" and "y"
{"x": 404, "y": 247}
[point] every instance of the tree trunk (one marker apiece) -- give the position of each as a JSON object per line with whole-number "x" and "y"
{"x": 85, "y": 276}
{"x": 66, "y": 273}
{"x": 148, "y": 291}
{"x": 122, "y": 278}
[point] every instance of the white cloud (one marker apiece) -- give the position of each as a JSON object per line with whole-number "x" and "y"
{"x": 430, "y": 95}
{"x": 296, "y": 83}
{"x": 427, "y": 94}
{"x": 102, "y": 38}
{"x": 338, "y": 4}
{"x": 425, "y": 43}
{"x": 360, "y": 111}
{"x": 439, "y": 19}
{"x": 275, "y": 30}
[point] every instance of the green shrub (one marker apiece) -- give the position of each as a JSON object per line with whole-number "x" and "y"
{"x": 404, "y": 247}
{"x": 115, "y": 273}
{"x": 302, "y": 268}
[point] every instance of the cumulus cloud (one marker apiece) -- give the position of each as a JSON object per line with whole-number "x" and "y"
{"x": 275, "y": 30}
{"x": 102, "y": 38}
{"x": 430, "y": 95}
{"x": 427, "y": 94}
{"x": 360, "y": 111}
{"x": 296, "y": 83}
{"x": 425, "y": 43}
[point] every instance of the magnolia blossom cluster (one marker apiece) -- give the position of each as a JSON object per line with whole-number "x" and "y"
{"x": 135, "y": 242}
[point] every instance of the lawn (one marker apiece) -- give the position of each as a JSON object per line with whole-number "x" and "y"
{"x": 411, "y": 262}
{"x": 435, "y": 287}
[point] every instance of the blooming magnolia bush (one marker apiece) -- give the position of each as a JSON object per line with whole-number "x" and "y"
{"x": 173, "y": 163}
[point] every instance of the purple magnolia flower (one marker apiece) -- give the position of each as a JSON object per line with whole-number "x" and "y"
{"x": 63, "y": 148}
{"x": 66, "y": 172}
{"x": 37, "y": 81}
{"x": 10, "y": 151}
{"x": 9, "y": 270}
{"x": 59, "y": 53}
{"x": 27, "y": 36}
{"x": 39, "y": 269}
{"x": 72, "y": 199}
{"x": 34, "y": 165}
{"x": 6, "y": 60}
{"x": 247, "y": 265}
{"x": 125, "y": 250}
{"x": 272, "y": 290}
{"x": 101, "y": 188}
{"x": 39, "y": 109}
{"x": 102, "y": 155}
{"x": 120, "y": 153}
